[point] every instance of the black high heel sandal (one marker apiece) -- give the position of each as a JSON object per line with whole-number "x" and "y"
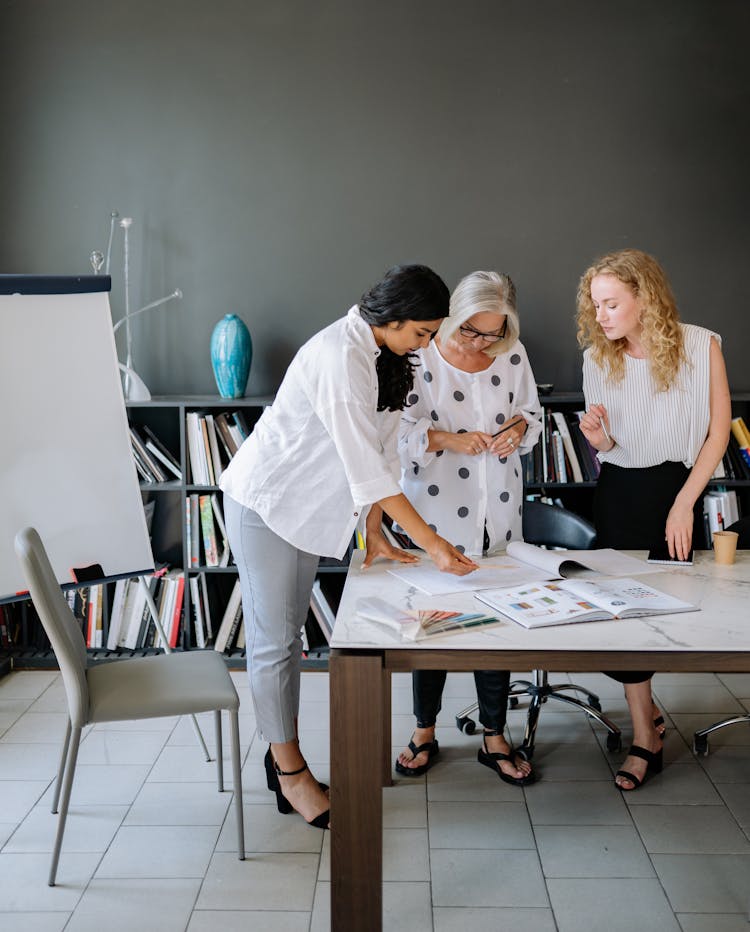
{"x": 273, "y": 772}
{"x": 654, "y": 764}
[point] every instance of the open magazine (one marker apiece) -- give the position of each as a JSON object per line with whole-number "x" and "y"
{"x": 521, "y": 563}
{"x": 569, "y": 600}
{"x": 414, "y": 625}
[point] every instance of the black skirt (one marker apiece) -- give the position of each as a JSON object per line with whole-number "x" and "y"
{"x": 631, "y": 505}
{"x": 630, "y": 513}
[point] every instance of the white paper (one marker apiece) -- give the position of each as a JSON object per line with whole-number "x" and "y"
{"x": 606, "y": 561}
{"x": 494, "y": 572}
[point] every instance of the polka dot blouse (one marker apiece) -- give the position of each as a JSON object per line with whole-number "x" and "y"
{"x": 459, "y": 495}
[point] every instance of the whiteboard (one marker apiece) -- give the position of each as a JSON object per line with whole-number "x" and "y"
{"x": 66, "y": 466}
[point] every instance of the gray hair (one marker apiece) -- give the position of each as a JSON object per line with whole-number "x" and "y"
{"x": 478, "y": 293}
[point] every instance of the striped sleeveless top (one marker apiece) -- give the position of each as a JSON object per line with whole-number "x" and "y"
{"x": 652, "y": 426}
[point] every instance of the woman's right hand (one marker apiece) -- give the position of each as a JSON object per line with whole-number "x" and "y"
{"x": 449, "y": 560}
{"x": 591, "y": 428}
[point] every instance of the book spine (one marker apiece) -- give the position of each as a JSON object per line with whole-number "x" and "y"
{"x": 209, "y": 530}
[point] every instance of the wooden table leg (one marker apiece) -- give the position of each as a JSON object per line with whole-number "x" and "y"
{"x": 387, "y": 779}
{"x": 356, "y": 688}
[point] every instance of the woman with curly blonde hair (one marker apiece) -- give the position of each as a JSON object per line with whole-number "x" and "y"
{"x": 658, "y": 413}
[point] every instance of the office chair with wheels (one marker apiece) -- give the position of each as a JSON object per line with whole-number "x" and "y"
{"x": 136, "y": 688}
{"x": 550, "y": 526}
{"x": 700, "y": 738}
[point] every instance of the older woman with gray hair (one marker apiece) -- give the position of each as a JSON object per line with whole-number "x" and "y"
{"x": 472, "y": 411}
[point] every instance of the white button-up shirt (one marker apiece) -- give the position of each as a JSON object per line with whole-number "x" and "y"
{"x": 322, "y": 453}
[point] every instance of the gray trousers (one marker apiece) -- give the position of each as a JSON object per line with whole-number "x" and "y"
{"x": 276, "y": 581}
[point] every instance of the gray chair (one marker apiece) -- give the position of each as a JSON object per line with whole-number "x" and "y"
{"x": 136, "y": 688}
{"x": 550, "y": 526}
{"x": 700, "y": 738}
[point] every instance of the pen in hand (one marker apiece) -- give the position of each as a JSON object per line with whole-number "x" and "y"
{"x": 606, "y": 432}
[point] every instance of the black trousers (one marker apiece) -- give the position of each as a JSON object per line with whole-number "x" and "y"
{"x": 492, "y": 693}
{"x": 630, "y": 513}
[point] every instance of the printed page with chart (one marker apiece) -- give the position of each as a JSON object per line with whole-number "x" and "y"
{"x": 572, "y": 600}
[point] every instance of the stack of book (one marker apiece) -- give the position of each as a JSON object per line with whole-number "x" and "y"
{"x": 230, "y": 633}
{"x": 131, "y": 624}
{"x": 563, "y": 454}
{"x": 206, "y": 533}
{"x": 153, "y": 460}
{"x": 212, "y": 441}
{"x": 737, "y": 457}
{"x": 720, "y": 509}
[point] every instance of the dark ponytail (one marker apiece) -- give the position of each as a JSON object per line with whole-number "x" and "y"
{"x": 406, "y": 292}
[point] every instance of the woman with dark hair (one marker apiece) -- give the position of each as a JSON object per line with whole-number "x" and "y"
{"x": 658, "y": 412}
{"x": 318, "y": 458}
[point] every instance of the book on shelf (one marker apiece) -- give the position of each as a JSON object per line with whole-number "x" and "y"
{"x": 197, "y": 455}
{"x": 576, "y": 475}
{"x": 116, "y": 615}
{"x": 561, "y": 602}
{"x": 208, "y": 528}
{"x": 230, "y": 620}
{"x": 161, "y": 452}
{"x": 213, "y": 446}
{"x": 742, "y": 436}
{"x": 169, "y": 609}
{"x": 419, "y": 624}
{"x": 720, "y": 509}
{"x": 206, "y": 608}
{"x": 147, "y": 461}
{"x": 194, "y": 549}
{"x": 206, "y": 451}
{"x": 199, "y": 624}
{"x": 219, "y": 518}
{"x": 221, "y": 422}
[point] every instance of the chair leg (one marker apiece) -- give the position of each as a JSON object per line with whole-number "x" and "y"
{"x": 219, "y": 750}
{"x": 61, "y": 767}
{"x": 234, "y": 727}
{"x": 67, "y": 785}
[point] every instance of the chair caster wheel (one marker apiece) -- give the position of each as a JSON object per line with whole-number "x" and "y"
{"x": 614, "y": 742}
{"x": 512, "y": 702}
{"x": 466, "y": 725}
{"x": 700, "y": 745}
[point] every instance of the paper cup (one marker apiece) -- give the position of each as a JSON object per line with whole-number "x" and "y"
{"x": 725, "y": 546}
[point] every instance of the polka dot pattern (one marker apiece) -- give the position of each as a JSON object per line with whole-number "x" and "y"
{"x": 495, "y": 380}
{"x": 434, "y": 415}
{"x": 464, "y": 472}
{"x": 463, "y": 511}
{"x": 500, "y": 419}
{"x": 413, "y": 398}
{"x": 433, "y": 490}
{"x": 459, "y": 396}
{"x": 427, "y": 375}
{"x": 515, "y": 359}
{"x": 505, "y": 496}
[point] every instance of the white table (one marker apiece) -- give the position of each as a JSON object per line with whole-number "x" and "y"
{"x": 363, "y": 657}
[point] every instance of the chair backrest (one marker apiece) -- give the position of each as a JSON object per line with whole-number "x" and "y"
{"x": 551, "y": 526}
{"x": 58, "y": 620}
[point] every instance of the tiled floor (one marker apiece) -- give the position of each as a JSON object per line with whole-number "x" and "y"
{"x": 149, "y": 841}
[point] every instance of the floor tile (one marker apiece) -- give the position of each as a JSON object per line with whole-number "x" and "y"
{"x": 705, "y": 883}
{"x": 117, "y": 747}
{"x": 685, "y": 697}
{"x": 262, "y": 881}
{"x": 488, "y": 919}
{"x": 489, "y": 825}
{"x": 33, "y": 922}
{"x": 513, "y": 878}
{"x": 170, "y": 851}
{"x": 620, "y": 905}
{"x": 737, "y": 798}
{"x": 564, "y": 804}
{"x": 179, "y": 804}
{"x": 468, "y": 781}
{"x": 404, "y": 807}
{"x": 228, "y": 920}
{"x": 27, "y": 684}
{"x": 92, "y": 829}
{"x": 712, "y": 922}
{"x": 267, "y": 830}
{"x": 728, "y": 765}
{"x": 679, "y": 784}
{"x": 19, "y": 797}
{"x": 568, "y": 762}
{"x": 28, "y": 761}
{"x": 95, "y": 785}
{"x": 37, "y": 728}
{"x": 147, "y": 905}
{"x": 592, "y": 851}
{"x": 689, "y": 830}
{"x": 23, "y": 881}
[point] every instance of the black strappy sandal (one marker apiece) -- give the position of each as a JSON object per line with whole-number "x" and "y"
{"x": 431, "y": 747}
{"x": 654, "y": 763}
{"x": 490, "y": 759}
{"x": 273, "y": 772}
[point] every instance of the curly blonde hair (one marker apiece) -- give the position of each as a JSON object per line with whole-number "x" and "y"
{"x": 480, "y": 292}
{"x": 660, "y": 319}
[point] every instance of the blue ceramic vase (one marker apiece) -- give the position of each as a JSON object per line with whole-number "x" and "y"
{"x": 231, "y": 356}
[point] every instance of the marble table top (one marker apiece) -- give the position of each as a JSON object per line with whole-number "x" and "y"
{"x": 722, "y": 593}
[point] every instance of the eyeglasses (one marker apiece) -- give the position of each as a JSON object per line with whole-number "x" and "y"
{"x": 469, "y": 333}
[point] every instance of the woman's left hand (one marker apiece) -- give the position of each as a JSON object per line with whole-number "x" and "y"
{"x": 509, "y": 440}
{"x": 679, "y": 530}
{"x": 378, "y": 546}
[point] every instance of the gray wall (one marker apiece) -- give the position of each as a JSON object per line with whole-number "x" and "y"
{"x": 278, "y": 156}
